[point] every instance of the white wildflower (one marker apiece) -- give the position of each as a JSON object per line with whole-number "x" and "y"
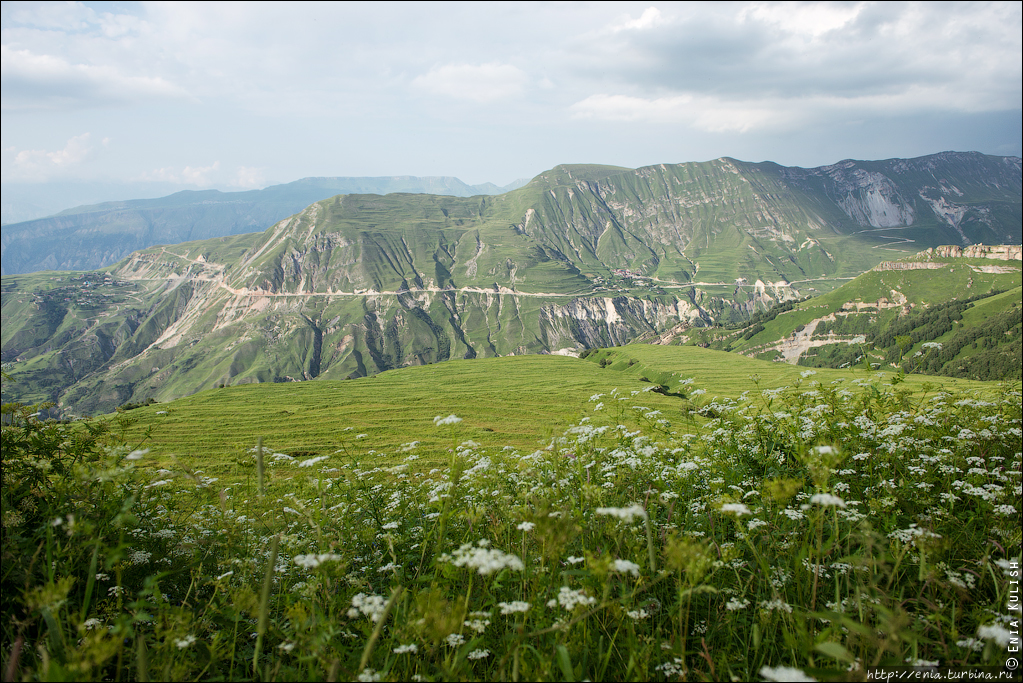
{"x": 570, "y": 599}
{"x": 370, "y": 605}
{"x": 525, "y": 526}
{"x": 625, "y": 567}
{"x": 737, "y": 509}
{"x": 784, "y": 673}
{"x": 485, "y": 560}
{"x": 478, "y": 654}
{"x": 454, "y": 640}
{"x": 997, "y": 633}
{"x": 625, "y": 514}
{"x": 736, "y": 604}
{"x": 513, "y": 607}
{"x": 411, "y": 648}
{"x": 827, "y": 500}
{"x": 187, "y": 641}
{"x": 313, "y": 561}
{"x": 449, "y": 420}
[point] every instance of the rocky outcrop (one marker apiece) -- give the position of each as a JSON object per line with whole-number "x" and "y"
{"x": 1001, "y": 252}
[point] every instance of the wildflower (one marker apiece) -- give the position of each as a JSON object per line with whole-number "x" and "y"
{"x": 411, "y": 648}
{"x": 784, "y": 673}
{"x": 971, "y": 644}
{"x": 513, "y": 607}
{"x": 572, "y": 559}
{"x": 625, "y": 567}
{"x": 187, "y": 641}
{"x": 309, "y": 462}
{"x": 671, "y": 669}
{"x": 477, "y": 625}
{"x": 390, "y": 525}
{"x": 737, "y": 509}
{"x": 369, "y": 676}
{"x": 136, "y": 455}
{"x": 485, "y": 560}
{"x": 637, "y": 614}
{"x": 370, "y": 605}
{"x": 997, "y": 633}
{"x": 454, "y": 639}
{"x": 776, "y": 605}
{"x": 525, "y": 526}
{"x": 313, "y": 561}
{"x": 478, "y": 654}
{"x": 286, "y": 646}
{"x": 92, "y": 623}
{"x": 570, "y": 599}
{"x": 625, "y": 514}
{"x": 827, "y": 500}
{"x": 736, "y": 604}
{"x": 449, "y": 420}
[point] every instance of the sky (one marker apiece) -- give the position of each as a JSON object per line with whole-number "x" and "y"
{"x": 240, "y": 96}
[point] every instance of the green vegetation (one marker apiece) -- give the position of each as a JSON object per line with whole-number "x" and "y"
{"x": 582, "y": 256}
{"x": 729, "y": 527}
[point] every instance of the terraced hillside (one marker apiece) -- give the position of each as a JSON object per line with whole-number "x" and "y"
{"x": 948, "y": 311}
{"x": 581, "y": 257}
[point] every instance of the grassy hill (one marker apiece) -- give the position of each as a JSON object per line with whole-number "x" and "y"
{"x": 932, "y": 314}
{"x": 521, "y": 402}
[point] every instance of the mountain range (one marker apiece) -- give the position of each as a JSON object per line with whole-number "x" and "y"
{"x": 582, "y": 256}
{"x": 95, "y": 236}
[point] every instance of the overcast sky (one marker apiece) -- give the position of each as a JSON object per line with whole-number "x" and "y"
{"x": 245, "y": 95}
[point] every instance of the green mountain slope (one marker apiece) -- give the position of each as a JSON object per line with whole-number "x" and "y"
{"x": 940, "y": 312}
{"x": 580, "y": 257}
{"x": 90, "y": 237}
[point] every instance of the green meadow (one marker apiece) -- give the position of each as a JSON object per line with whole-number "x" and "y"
{"x": 643, "y": 513}
{"x": 518, "y": 401}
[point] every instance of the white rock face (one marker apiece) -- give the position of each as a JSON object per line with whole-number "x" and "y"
{"x": 872, "y": 199}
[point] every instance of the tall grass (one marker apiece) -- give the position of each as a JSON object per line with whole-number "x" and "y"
{"x": 825, "y": 528}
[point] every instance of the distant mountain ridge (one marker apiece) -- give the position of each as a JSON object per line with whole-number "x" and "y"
{"x": 98, "y": 235}
{"x": 582, "y": 256}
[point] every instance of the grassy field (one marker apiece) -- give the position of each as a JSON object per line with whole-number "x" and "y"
{"x": 520, "y": 401}
{"x": 800, "y": 525}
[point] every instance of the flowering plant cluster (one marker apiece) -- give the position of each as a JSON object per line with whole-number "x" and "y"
{"x": 828, "y": 527}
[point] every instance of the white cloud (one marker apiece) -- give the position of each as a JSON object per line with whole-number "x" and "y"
{"x": 189, "y": 175}
{"x": 250, "y": 178}
{"x": 44, "y": 81}
{"x": 704, "y": 113}
{"x": 478, "y": 83}
{"x": 651, "y": 17}
{"x": 39, "y": 165}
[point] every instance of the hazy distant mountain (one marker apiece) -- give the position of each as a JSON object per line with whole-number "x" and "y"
{"x": 580, "y": 257}
{"x": 20, "y": 201}
{"x": 93, "y": 236}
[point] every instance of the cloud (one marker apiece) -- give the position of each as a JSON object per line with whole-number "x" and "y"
{"x": 701, "y": 112}
{"x": 651, "y": 17}
{"x": 249, "y": 178}
{"x": 39, "y": 165}
{"x": 482, "y": 83}
{"x": 44, "y": 81}
{"x": 189, "y": 175}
